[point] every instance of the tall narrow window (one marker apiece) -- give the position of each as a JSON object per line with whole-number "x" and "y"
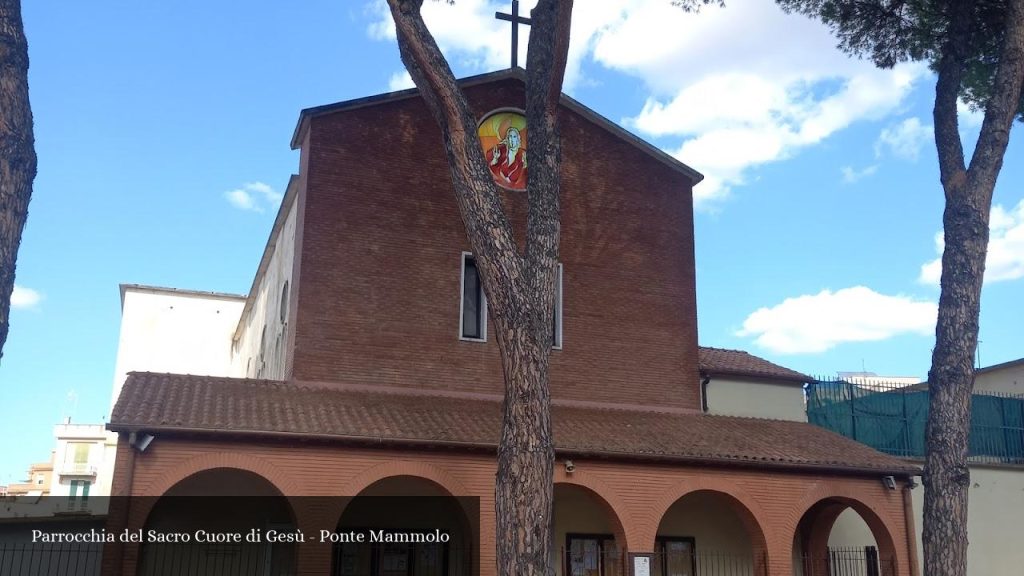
{"x": 473, "y": 315}
{"x": 556, "y": 321}
{"x": 84, "y": 500}
{"x": 73, "y": 494}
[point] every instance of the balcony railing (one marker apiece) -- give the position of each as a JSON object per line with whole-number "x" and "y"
{"x": 78, "y": 469}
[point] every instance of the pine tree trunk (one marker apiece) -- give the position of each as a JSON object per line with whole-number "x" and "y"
{"x": 968, "y": 193}
{"x": 523, "y": 493}
{"x": 520, "y": 285}
{"x": 17, "y": 151}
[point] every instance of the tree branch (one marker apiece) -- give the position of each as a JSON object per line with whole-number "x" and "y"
{"x": 952, "y": 171}
{"x": 546, "y": 61}
{"x": 1002, "y": 106}
{"x": 17, "y": 150}
{"x": 488, "y": 228}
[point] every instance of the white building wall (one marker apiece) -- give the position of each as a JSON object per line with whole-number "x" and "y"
{"x": 850, "y": 531}
{"x": 756, "y": 399}
{"x": 98, "y": 467}
{"x": 995, "y": 506}
{"x": 97, "y": 470}
{"x": 260, "y": 341}
{"x": 1009, "y": 380}
{"x": 175, "y": 331}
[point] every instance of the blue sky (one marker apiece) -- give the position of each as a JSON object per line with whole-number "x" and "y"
{"x": 162, "y": 131}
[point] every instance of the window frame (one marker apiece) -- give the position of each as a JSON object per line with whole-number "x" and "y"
{"x": 556, "y": 336}
{"x": 462, "y": 301}
{"x": 601, "y": 540}
{"x": 661, "y": 549}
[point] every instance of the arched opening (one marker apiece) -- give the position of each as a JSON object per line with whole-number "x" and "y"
{"x": 709, "y": 533}
{"x": 589, "y": 538}
{"x": 404, "y": 526}
{"x": 842, "y": 537}
{"x": 222, "y": 521}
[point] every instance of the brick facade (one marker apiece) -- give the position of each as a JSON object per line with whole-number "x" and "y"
{"x": 378, "y": 293}
{"x": 635, "y": 496}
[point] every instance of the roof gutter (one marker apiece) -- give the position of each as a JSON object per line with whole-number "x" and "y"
{"x": 831, "y": 469}
{"x": 794, "y": 379}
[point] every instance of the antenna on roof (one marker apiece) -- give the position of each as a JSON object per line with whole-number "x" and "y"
{"x": 72, "y": 406}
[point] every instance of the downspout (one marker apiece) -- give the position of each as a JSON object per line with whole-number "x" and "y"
{"x": 705, "y": 380}
{"x": 911, "y": 530}
{"x": 119, "y": 510}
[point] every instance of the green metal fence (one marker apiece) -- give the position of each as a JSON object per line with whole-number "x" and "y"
{"x": 892, "y": 418}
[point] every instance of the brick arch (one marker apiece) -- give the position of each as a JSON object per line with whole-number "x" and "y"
{"x": 625, "y": 527}
{"x": 263, "y": 468}
{"x": 411, "y": 469}
{"x": 408, "y": 468}
{"x": 424, "y": 470}
{"x": 740, "y": 502}
{"x": 222, "y": 460}
{"x": 822, "y": 504}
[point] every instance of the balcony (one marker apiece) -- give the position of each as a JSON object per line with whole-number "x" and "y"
{"x": 78, "y": 469}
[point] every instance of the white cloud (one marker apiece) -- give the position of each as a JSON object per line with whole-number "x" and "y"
{"x": 851, "y": 174}
{"x": 727, "y": 90}
{"x": 254, "y": 197}
{"x": 968, "y": 118}
{"x": 266, "y": 190}
{"x": 400, "y": 81}
{"x": 904, "y": 140}
{"x": 816, "y": 323}
{"x": 466, "y": 31}
{"x": 23, "y": 297}
{"x": 738, "y": 93}
{"x": 1005, "y": 259}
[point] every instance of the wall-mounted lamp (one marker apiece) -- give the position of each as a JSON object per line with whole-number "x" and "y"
{"x": 140, "y": 441}
{"x": 569, "y": 467}
{"x": 889, "y": 482}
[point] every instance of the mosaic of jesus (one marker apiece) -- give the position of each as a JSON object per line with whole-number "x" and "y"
{"x": 503, "y": 136}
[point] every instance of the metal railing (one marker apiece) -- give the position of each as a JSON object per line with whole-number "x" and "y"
{"x": 216, "y": 560}
{"x": 891, "y": 418}
{"x": 846, "y": 562}
{"x": 34, "y": 559}
{"x": 708, "y": 563}
{"x": 78, "y": 469}
{"x": 612, "y": 562}
{"x": 606, "y": 561}
{"x": 421, "y": 559}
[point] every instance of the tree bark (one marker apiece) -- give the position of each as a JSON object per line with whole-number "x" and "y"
{"x": 17, "y": 151}
{"x": 520, "y": 286}
{"x": 968, "y": 193}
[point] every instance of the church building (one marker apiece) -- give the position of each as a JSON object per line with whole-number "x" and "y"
{"x": 361, "y": 362}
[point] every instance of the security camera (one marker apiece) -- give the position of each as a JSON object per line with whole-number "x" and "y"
{"x": 569, "y": 467}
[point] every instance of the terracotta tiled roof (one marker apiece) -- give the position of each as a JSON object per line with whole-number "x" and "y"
{"x": 206, "y": 405}
{"x": 720, "y": 361}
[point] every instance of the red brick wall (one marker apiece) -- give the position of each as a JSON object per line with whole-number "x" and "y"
{"x": 635, "y": 495}
{"x": 378, "y": 296}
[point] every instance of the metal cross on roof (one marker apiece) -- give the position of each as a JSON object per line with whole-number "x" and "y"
{"x": 516, "y": 20}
